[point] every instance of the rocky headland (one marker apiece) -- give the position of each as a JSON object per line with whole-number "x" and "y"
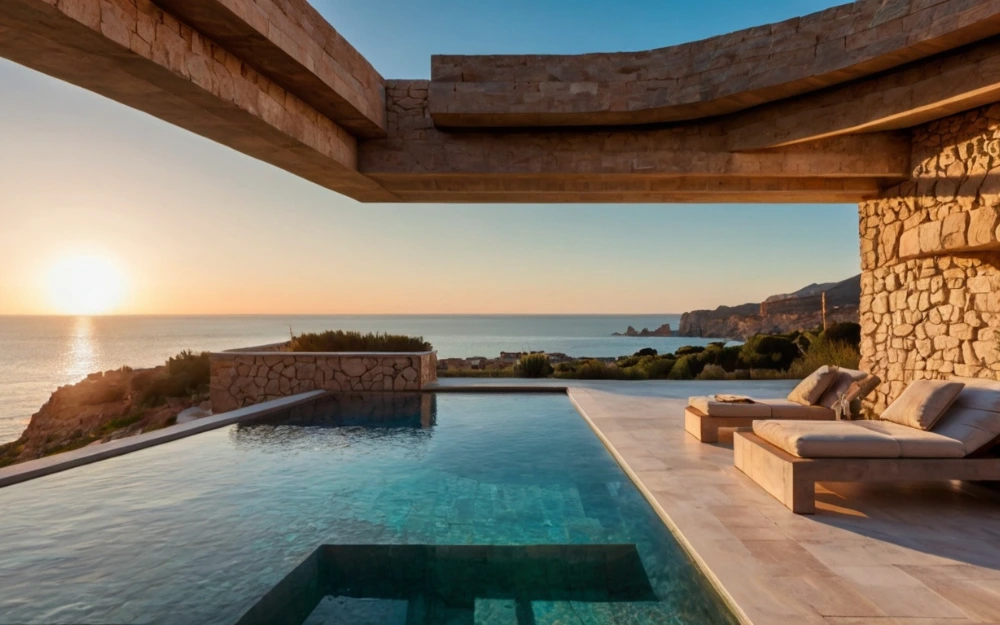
{"x": 778, "y": 314}
{"x": 663, "y": 330}
{"x": 111, "y": 405}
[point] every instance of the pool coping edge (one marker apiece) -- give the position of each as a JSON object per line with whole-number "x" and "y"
{"x": 32, "y": 469}
{"x": 675, "y": 530}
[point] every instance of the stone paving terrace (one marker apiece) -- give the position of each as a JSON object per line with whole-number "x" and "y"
{"x": 921, "y": 554}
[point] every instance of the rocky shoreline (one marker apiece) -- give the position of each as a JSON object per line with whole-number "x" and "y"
{"x": 109, "y": 405}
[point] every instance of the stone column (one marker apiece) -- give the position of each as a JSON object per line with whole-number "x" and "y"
{"x": 930, "y": 288}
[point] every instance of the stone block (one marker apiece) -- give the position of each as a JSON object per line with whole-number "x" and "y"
{"x": 930, "y": 237}
{"x": 982, "y": 227}
{"x": 979, "y": 284}
{"x": 909, "y": 244}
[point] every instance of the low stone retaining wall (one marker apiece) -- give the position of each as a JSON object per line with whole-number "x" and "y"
{"x": 246, "y": 378}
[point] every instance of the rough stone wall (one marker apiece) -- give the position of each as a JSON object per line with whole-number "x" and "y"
{"x": 930, "y": 302}
{"x": 242, "y": 379}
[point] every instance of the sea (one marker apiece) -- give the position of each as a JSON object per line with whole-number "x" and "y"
{"x": 39, "y": 354}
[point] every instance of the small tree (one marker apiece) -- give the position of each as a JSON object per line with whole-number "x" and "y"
{"x": 765, "y": 351}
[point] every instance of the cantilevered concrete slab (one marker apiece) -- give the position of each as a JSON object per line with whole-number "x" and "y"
{"x": 715, "y": 76}
{"x": 814, "y": 109}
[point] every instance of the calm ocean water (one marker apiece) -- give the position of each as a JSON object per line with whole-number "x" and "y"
{"x": 38, "y": 354}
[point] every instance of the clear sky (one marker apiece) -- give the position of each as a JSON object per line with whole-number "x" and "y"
{"x": 193, "y": 227}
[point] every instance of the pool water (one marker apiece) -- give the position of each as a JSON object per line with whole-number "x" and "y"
{"x": 208, "y": 528}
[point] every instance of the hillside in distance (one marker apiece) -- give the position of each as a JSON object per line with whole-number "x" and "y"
{"x": 778, "y": 314}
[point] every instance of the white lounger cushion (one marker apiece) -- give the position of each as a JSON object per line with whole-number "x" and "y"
{"x": 708, "y": 406}
{"x": 856, "y": 439}
{"x": 914, "y": 443}
{"x": 826, "y": 439}
{"x": 760, "y": 409}
{"x": 923, "y": 403}
{"x": 845, "y": 377}
{"x": 973, "y": 428}
{"x": 785, "y": 409}
{"x": 974, "y": 418}
{"x": 972, "y": 422}
{"x": 811, "y": 389}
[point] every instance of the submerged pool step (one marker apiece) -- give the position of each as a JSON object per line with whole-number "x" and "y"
{"x": 496, "y": 612}
{"x": 584, "y": 613}
{"x": 343, "y": 610}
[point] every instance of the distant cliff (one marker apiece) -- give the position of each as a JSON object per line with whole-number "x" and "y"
{"x": 801, "y": 310}
{"x": 663, "y": 330}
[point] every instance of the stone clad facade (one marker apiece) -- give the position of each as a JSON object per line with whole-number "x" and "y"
{"x": 930, "y": 303}
{"x": 241, "y": 379}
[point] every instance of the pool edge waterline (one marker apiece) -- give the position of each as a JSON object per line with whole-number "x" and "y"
{"x": 678, "y": 535}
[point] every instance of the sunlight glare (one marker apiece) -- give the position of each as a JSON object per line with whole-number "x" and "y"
{"x": 85, "y": 285}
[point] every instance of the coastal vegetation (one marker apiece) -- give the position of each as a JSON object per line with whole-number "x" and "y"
{"x": 341, "y": 341}
{"x": 113, "y": 404}
{"x": 534, "y": 366}
{"x": 763, "y": 356}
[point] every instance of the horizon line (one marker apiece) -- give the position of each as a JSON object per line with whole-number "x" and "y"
{"x": 572, "y": 314}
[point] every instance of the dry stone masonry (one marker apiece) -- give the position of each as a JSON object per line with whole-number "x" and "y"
{"x": 244, "y": 379}
{"x": 930, "y": 303}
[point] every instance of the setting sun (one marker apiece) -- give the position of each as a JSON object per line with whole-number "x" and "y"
{"x": 85, "y": 285}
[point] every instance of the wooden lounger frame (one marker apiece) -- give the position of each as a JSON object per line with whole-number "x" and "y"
{"x": 792, "y": 480}
{"x": 706, "y": 428}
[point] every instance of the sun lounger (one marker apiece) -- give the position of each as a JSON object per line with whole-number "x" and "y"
{"x": 704, "y": 416}
{"x": 787, "y": 458}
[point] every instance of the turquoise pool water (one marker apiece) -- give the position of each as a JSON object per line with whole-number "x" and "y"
{"x": 201, "y": 529}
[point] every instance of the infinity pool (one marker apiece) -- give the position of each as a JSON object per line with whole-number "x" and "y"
{"x": 481, "y": 488}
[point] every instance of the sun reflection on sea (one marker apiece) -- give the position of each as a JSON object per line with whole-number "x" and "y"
{"x": 82, "y": 354}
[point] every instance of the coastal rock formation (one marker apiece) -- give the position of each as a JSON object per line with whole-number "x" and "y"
{"x": 930, "y": 248}
{"x": 103, "y": 407}
{"x": 663, "y": 330}
{"x": 778, "y": 314}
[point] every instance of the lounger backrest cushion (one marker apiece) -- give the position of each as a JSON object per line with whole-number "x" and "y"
{"x": 974, "y": 418}
{"x": 809, "y": 390}
{"x": 845, "y": 377}
{"x": 923, "y": 403}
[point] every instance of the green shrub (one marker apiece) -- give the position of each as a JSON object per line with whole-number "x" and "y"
{"x": 509, "y": 372}
{"x": 105, "y": 393}
{"x": 729, "y": 358}
{"x": 825, "y": 352}
{"x": 659, "y": 368}
{"x": 187, "y": 374}
{"x": 195, "y": 366}
{"x": 690, "y": 349}
{"x": 340, "y": 341}
{"x": 846, "y": 332}
{"x": 595, "y": 370}
{"x": 142, "y": 380}
{"x": 646, "y": 351}
{"x": 629, "y": 361}
{"x": 534, "y": 366}
{"x": 712, "y": 372}
{"x": 123, "y": 422}
{"x": 765, "y": 351}
{"x": 632, "y": 373}
{"x": 682, "y": 369}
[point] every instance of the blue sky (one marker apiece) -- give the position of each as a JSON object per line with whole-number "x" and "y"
{"x": 197, "y": 228}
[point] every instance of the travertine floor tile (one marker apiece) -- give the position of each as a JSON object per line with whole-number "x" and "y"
{"x": 920, "y": 554}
